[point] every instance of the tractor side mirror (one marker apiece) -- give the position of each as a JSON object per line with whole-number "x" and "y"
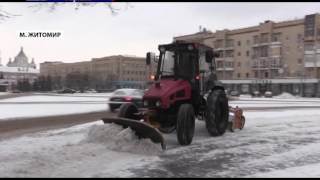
{"x": 150, "y": 57}
{"x": 209, "y": 56}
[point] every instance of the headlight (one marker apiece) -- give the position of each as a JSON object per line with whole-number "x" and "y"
{"x": 145, "y": 103}
{"x": 158, "y": 103}
{"x": 190, "y": 47}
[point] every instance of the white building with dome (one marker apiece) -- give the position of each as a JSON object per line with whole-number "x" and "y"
{"x": 19, "y": 68}
{"x": 21, "y": 60}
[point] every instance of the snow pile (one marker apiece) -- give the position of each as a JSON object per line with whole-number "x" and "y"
{"x": 285, "y": 95}
{"x": 116, "y": 138}
{"x": 245, "y": 96}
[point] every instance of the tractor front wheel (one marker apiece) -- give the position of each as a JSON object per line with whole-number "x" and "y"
{"x": 185, "y": 124}
{"x": 217, "y": 113}
{"x": 128, "y": 110}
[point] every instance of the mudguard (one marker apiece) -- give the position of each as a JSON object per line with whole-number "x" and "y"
{"x": 142, "y": 129}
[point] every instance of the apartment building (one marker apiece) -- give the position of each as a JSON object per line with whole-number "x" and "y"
{"x": 104, "y": 73}
{"x": 272, "y": 56}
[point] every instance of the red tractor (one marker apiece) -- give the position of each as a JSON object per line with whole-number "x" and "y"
{"x": 185, "y": 87}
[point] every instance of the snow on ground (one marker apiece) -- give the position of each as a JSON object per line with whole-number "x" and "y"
{"x": 78, "y": 94}
{"x": 42, "y": 98}
{"x": 89, "y": 150}
{"x": 286, "y": 95}
{"x": 273, "y": 143}
{"x": 283, "y": 101}
{"x": 41, "y": 105}
{"x": 310, "y": 170}
{"x": 273, "y": 104}
{"x": 4, "y": 93}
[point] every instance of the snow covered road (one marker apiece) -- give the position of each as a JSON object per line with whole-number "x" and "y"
{"x": 274, "y": 143}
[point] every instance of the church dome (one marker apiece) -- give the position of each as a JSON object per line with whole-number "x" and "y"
{"x": 21, "y": 60}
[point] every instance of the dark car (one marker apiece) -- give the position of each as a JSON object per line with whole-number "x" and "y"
{"x": 67, "y": 90}
{"x": 122, "y": 96}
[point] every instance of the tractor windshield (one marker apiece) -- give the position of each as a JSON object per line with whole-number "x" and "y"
{"x": 177, "y": 63}
{"x": 167, "y": 66}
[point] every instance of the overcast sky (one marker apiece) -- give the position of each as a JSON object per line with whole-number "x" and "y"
{"x": 93, "y": 32}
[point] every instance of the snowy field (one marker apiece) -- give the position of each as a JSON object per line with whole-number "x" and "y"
{"x": 49, "y": 105}
{"x": 4, "y": 93}
{"x": 274, "y": 143}
{"x": 284, "y": 100}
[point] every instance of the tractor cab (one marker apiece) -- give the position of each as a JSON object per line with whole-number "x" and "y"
{"x": 182, "y": 60}
{"x": 182, "y": 69}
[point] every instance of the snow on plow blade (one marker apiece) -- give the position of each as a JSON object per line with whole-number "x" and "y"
{"x": 142, "y": 129}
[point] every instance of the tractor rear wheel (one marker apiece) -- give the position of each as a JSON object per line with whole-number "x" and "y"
{"x": 217, "y": 113}
{"x": 128, "y": 110}
{"x": 185, "y": 124}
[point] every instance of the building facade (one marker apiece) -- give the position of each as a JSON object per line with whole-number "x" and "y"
{"x": 104, "y": 73}
{"x": 272, "y": 56}
{"x": 16, "y": 70}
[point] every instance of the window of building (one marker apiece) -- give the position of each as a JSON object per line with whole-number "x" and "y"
{"x": 247, "y": 75}
{"x": 239, "y": 43}
{"x": 239, "y": 53}
{"x": 218, "y": 43}
{"x": 309, "y": 47}
{"x": 309, "y": 25}
{"x": 299, "y": 38}
{"x": 239, "y": 75}
{"x": 255, "y": 74}
{"x": 229, "y": 43}
{"x": 264, "y": 51}
{"x": 229, "y": 64}
{"x": 248, "y": 53}
{"x": 276, "y": 37}
{"x": 264, "y": 38}
{"x": 299, "y": 61}
{"x": 256, "y": 39}
{"x": 229, "y": 53}
{"x": 266, "y": 75}
{"x": 220, "y": 64}
{"x": 220, "y": 54}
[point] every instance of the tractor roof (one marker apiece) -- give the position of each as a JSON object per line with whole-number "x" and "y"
{"x": 184, "y": 45}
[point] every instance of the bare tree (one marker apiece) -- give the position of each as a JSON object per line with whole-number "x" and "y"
{"x": 4, "y": 15}
{"x": 52, "y": 7}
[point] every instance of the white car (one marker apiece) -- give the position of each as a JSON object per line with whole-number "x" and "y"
{"x": 268, "y": 94}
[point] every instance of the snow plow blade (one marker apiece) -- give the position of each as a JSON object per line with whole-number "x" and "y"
{"x": 142, "y": 129}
